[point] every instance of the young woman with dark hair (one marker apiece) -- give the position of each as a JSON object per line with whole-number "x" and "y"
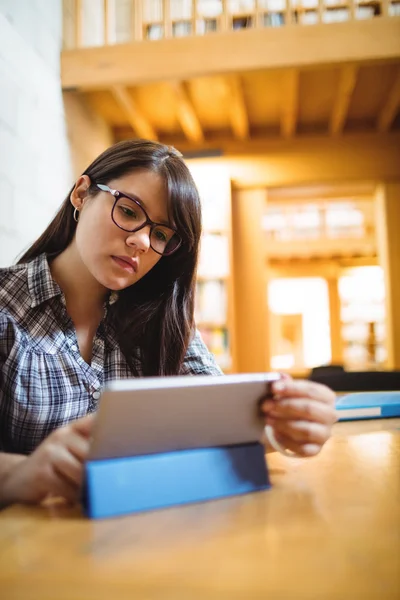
{"x": 107, "y": 292}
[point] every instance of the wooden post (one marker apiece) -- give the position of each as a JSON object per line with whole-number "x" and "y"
{"x": 335, "y": 321}
{"x": 249, "y": 281}
{"x": 257, "y": 15}
{"x": 321, "y": 6}
{"x": 106, "y": 22}
{"x": 224, "y": 19}
{"x": 352, "y": 8}
{"x": 78, "y": 23}
{"x": 137, "y": 21}
{"x": 167, "y": 19}
{"x": 288, "y": 13}
{"x": 387, "y": 225}
{"x": 194, "y": 17}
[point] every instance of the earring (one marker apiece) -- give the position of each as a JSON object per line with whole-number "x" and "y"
{"x": 76, "y": 215}
{"x": 113, "y": 298}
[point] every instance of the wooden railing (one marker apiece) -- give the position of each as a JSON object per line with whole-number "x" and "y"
{"x": 106, "y": 22}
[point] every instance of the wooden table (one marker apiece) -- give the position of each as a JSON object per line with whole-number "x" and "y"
{"x": 329, "y": 528}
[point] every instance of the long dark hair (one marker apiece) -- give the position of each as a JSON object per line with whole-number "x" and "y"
{"x": 155, "y": 315}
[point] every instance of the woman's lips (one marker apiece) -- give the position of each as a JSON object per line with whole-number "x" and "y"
{"x": 126, "y": 263}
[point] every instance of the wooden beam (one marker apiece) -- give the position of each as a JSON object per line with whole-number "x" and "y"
{"x": 344, "y": 93}
{"x": 137, "y": 120}
{"x": 232, "y": 52}
{"x": 186, "y": 114}
{"x": 303, "y": 161}
{"x": 237, "y": 108}
{"x": 268, "y": 161}
{"x": 390, "y": 107}
{"x": 300, "y": 161}
{"x": 290, "y": 104}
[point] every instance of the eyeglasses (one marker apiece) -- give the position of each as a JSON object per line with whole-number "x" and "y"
{"x": 128, "y": 214}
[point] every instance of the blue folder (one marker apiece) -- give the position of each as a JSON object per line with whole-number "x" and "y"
{"x": 368, "y": 405}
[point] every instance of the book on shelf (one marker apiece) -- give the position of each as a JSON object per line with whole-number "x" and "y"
{"x": 216, "y": 339}
{"x": 211, "y": 301}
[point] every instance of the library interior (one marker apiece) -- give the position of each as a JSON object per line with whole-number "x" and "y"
{"x": 287, "y": 113}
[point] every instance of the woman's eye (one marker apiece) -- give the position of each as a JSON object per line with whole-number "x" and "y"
{"x": 128, "y": 212}
{"x": 161, "y": 235}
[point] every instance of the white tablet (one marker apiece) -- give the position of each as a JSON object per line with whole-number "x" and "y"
{"x": 163, "y": 414}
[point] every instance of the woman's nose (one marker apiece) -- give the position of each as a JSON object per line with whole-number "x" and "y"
{"x": 140, "y": 239}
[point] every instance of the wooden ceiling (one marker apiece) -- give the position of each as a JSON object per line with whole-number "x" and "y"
{"x": 328, "y": 101}
{"x": 207, "y": 91}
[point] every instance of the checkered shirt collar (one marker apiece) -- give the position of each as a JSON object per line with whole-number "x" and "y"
{"x": 42, "y": 286}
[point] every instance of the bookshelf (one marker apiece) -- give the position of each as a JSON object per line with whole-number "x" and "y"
{"x": 213, "y": 306}
{"x": 362, "y": 300}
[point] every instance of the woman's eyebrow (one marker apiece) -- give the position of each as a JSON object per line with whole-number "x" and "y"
{"x": 143, "y": 205}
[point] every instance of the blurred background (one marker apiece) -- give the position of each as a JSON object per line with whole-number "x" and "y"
{"x": 288, "y": 113}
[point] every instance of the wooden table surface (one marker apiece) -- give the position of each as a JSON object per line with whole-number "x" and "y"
{"x": 329, "y": 528}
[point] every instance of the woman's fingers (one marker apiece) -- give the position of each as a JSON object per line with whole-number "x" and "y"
{"x": 301, "y": 413}
{"x": 55, "y": 468}
{"x": 302, "y": 432}
{"x": 78, "y": 446}
{"x": 84, "y": 425}
{"x": 301, "y": 449}
{"x": 59, "y": 486}
{"x": 67, "y": 466}
{"x": 301, "y": 409}
{"x": 292, "y": 388}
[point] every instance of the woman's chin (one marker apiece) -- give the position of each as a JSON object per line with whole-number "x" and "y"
{"x": 117, "y": 284}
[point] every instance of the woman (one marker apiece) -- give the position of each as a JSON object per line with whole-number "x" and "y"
{"x": 107, "y": 292}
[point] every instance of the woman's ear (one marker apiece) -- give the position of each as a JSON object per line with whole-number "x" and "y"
{"x": 79, "y": 193}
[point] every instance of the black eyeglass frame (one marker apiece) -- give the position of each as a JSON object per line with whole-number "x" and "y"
{"x": 117, "y": 195}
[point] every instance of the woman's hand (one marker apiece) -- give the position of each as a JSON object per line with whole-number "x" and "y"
{"x": 55, "y": 468}
{"x": 301, "y": 414}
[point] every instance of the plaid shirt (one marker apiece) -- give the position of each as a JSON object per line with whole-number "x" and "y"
{"x": 44, "y": 381}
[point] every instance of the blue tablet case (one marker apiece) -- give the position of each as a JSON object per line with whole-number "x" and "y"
{"x": 368, "y": 405}
{"x": 119, "y": 486}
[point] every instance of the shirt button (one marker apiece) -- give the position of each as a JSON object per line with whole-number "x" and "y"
{"x": 96, "y": 395}
{"x": 74, "y": 348}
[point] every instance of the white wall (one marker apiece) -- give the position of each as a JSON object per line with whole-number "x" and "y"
{"x": 35, "y": 168}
